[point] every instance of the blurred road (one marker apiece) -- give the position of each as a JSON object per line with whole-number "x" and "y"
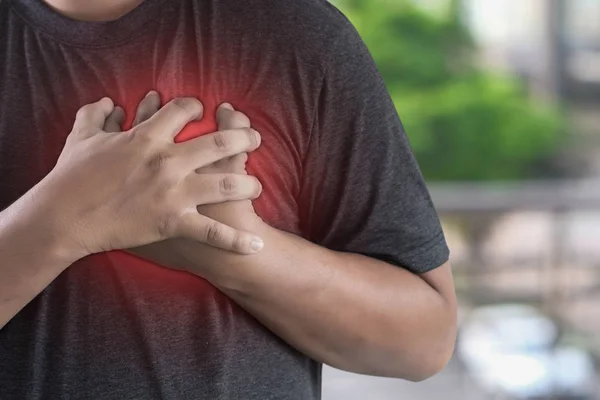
{"x": 449, "y": 385}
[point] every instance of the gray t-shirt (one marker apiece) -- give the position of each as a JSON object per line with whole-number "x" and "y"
{"x": 335, "y": 164}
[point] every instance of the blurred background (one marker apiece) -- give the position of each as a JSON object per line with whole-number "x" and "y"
{"x": 500, "y": 99}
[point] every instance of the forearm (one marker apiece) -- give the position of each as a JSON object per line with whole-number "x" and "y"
{"x": 345, "y": 310}
{"x": 31, "y": 256}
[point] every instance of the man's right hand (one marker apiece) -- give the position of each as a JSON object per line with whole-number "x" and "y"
{"x": 118, "y": 190}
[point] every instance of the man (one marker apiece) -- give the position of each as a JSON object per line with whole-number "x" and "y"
{"x": 341, "y": 260}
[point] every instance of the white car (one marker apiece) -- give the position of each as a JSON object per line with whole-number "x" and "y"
{"x": 514, "y": 352}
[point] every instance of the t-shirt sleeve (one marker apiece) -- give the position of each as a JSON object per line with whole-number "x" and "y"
{"x": 362, "y": 190}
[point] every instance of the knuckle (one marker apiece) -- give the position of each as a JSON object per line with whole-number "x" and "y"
{"x": 239, "y": 119}
{"x": 167, "y": 226}
{"x": 190, "y": 106}
{"x": 158, "y": 161}
{"x": 221, "y": 141}
{"x": 228, "y": 185}
{"x": 164, "y": 203}
{"x": 213, "y": 233}
{"x": 77, "y": 131}
{"x": 252, "y": 137}
{"x": 83, "y": 132}
{"x": 141, "y": 134}
{"x": 137, "y": 130}
{"x": 85, "y": 111}
{"x": 160, "y": 199}
{"x": 145, "y": 143}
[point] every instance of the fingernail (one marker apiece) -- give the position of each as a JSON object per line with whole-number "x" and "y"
{"x": 257, "y": 244}
{"x": 227, "y": 106}
{"x": 151, "y": 93}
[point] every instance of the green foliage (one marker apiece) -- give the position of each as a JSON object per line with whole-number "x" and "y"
{"x": 463, "y": 123}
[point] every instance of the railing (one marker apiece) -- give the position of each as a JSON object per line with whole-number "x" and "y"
{"x": 563, "y": 282}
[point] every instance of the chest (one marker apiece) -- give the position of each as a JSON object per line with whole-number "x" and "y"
{"x": 43, "y": 88}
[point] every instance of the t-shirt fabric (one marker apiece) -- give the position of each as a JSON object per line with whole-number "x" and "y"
{"x": 335, "y": 164}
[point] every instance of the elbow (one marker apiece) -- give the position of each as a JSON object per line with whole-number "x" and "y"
{"x": 429, "y": 354}
{"x": 432, "y": 355}
{"x": 414, "y": 345}
{"x": 415, "y": 360}
{"x": 431, "y": 364}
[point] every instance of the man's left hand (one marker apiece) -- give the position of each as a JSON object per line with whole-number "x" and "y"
{"x": 237, "y": 214}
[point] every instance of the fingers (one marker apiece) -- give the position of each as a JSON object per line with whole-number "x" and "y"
{"x": 238, "y": 162}
{"x": 115, "y": 120}
{"x": 207, "y": 149}
{"x": 204, "y": 189}
{"x": 91, "y": 117}
{"x": 173, "y": 117}
{"x": 147, "y": 107}
{"x": 229, "y": 118}
{"x": 205, "y": 230}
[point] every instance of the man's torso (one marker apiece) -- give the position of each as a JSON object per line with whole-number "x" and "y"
{"x": 114, "y": 326}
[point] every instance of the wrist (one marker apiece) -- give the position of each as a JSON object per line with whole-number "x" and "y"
{"x": 49, "y": 223}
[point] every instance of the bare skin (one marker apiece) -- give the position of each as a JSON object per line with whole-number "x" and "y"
{"x": 241, "y": 210}
{"x": 119, "y": 190}
{"x": 93, "y": 10}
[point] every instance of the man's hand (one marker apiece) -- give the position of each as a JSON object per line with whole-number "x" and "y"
{"x": 115, "y": 190}
{"x": 238, "y": 213}
{"x": 125, "y": 189}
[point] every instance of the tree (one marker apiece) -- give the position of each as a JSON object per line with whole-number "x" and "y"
{"x": 463, "y": 123}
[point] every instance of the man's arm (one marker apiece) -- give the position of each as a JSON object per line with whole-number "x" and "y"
{"x": 31, "y": 255}
{"x": 349, "y": 311}
{"x": 346, "y": 310}
{"x": 64, "y": 217}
